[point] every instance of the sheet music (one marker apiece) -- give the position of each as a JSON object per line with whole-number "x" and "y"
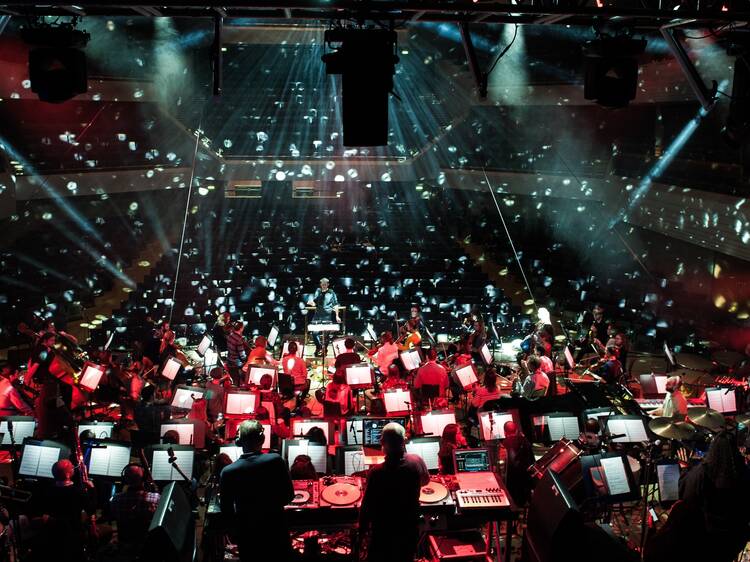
{"x": 90, "y": 376}
{"x": 721, "y": 400}
{"x": 669, "y": 480}
{"x": 108, "y": 461}
{"x": 240, "y": 404}
{"x": 661, "y": 384}
{"x": 162, "y": 470}
{"x": 339, "y": 347}
{"x": 466, "y": 375}
{"x": 433, "y": 424}
{"x": 100, "y": 431}
{"x": 560, "y": 427}
{"x": 428, "y": 451}
{"x": 486, "y": 354}
{"x": 21, "y": 430}
{"x": 184, "y": 429}
{"x": 569, "y": 358}
{"x": 493, "y": 427}
{"x": 301, "y": 427}
{"x": 318, "y": 455}
{"x": 668, "y": 353}
{"x": 233, "y": 451}
{"x": 354, "y": 432}
{"x": 204, "y": 345}
{"x": 396, "y": 400}
{"x": 354, "y": 461}
{"x": 256, "y": 373}
{"x": 171, "y": 368}
{"x": 358, "y": 374}
{"x": 38, "y": 460}
{"x": 411, "y": 359}
{"x": 634, "y": 430}
{"x": 272, "y": 336}
{"x": 183, "y": 397}
{"x": 617, "y": 478}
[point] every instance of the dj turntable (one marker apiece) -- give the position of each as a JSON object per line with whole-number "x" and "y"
{"x": 436, "y": 497}
{"x": 306, "y": 495}
{"x": 341, "y": 492}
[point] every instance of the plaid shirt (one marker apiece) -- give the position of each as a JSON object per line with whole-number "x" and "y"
{"x": 133, "y": 511}
{"x": 236, "y": 349}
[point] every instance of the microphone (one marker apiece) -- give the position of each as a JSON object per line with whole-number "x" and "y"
{"x": 617, "y": 435}
{"x": 407, "y": 403}
{"x": 170, "y": 452}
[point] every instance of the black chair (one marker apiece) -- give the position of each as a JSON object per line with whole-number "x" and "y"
{"x": 332, "y": 409}
{"x": 286, "y": 385}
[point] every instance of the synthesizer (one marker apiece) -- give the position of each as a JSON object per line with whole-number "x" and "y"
{"x": 482, "y": 498}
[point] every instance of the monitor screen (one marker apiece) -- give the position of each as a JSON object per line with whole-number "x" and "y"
{"x": 472, "y": 460}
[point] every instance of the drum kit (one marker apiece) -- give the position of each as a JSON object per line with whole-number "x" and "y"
{"x": 685, "y": 429}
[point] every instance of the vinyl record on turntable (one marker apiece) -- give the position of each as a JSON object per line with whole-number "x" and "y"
{"x": 341, "y": 493}
{"x": 300, "y": 497}
{"x": 433, "y": 492}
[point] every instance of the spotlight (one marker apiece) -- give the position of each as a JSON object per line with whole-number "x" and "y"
{"x": 612, "y": 70}
{"x": 57, "y": 65}
{"x": 366, "y": 60}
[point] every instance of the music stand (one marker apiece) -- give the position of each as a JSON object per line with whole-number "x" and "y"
{"x": 292, "y": 448}
{"x": 492, "y": 424}
{"x": 300, "y": 427}
{"x": 191, "y": 432}
{"x": 631, "y": 429}
{"x": 162, "y": 470}
{"x": 170, "y": 369}
{"x": 466, "y": 376}
{"x": 185, "y": 395}
{"x": 427, "y": 448}
{"x": 433, "y": 423}
{"x": 101, "y": 430}
{"x": 38, "y": 456}
{"x": 350, "y": 459}
{"x": 608, "y": 478}
{"x": 90, "y": 376}
{"x": 722, "y": 399}
{"x": 397, "y": 401}
{"x": 240, "y": 403}
{"x": 256, "y": 372}
{"x": 107, "y": 459}
{"x": 411, "y": 359}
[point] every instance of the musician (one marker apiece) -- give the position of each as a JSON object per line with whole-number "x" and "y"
{"x": 221, "y": 330}
{"x": 675, "y": 403}
{"x": 237, "y": 349}
{"x": 433, "y": 374}
{"x": 215, "y": 393}
{"x": 166, "y": 337}
{"x": 49, "y": 328}
{"x": 133, "y": 509}
{"x": 53, "y": 403}
{"x": 611, "y": 368}
{"x": 487, "y": 391}
{"x": 259, "y": 354}
{"x": 546, "y": 363}
{"x": 295, "y": 366}
{"x": 390, "y": 505}
{"x": 349, "y": 357}
{"x": 516, "y": 451}
{"x": 386, "y": 353}
{"x": 339, "y": 392}
{"x": 410, "y": 335}
{"x": 594, "y": 330}
{"x": 717, "y": 491}
{"x": 451, "y": 440}
{"x": 63, "y": 504}
{"x": 326, "y": 310}
{"x": 12, "y": 403}
{"x": 254, "y": 490}
{"x": 535, "y": 383}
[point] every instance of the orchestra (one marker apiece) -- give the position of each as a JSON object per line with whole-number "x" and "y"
{"x": 501, "y": 401}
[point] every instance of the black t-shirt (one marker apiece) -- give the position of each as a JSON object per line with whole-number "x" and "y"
{"x": 346, "y": 359}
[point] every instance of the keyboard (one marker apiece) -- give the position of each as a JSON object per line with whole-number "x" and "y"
{"x": 650, "y": 403}
{"x": 482, "y": 498}
{"x": 327, "y": 327}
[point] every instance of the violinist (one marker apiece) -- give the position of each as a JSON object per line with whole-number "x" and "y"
{"x": 50, "y": 328}
{"x": 410, "y": 336}
{"x": 477, "y": 338}
{"x": 386, "y": 353}
{"x": 594, "y": 330}
{"x": 221, "y": 330}
{"x": 349, "y": 357}
{"x": 215, "y": 393}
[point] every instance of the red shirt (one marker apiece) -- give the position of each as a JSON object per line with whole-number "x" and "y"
{"x": 433, "y": 374}
{"x": 296, "y": 367}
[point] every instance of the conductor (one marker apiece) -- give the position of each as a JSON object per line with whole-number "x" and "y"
{"x": 326, "y": 309}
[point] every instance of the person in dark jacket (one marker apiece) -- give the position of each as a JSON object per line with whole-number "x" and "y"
{"x": 518, "y": 458}
{"x": 254, "y": 490}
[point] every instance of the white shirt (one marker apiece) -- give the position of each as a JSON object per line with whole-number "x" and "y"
{"x": 674, "y": 403}
{"x": 385, "y": 356}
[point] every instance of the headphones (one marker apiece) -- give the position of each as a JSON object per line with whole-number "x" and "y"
{"x": 127, "y": 466}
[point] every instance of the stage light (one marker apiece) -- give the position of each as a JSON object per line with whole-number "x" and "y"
{"x": 611, "y": 77}
{"x": 57, "y": 64}
{"x": 366, "y": 61}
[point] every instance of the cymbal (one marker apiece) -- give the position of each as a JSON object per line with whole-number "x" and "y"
{"x": 667, "y": 427}
{"x": 706, "y": 417}
{"x": 648, "y": 363}
{"x": 696, "y": 362}
{"x": 744, "y": 419}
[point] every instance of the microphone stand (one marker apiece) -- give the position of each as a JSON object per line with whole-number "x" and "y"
{"x": 195, "y": 501}
{"x": 13, "y": 450}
